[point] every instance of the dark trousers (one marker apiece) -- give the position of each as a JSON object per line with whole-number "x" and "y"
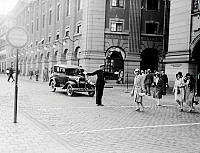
{"x": 99, "y": 94}
{"x": 147, "y": 87}
{"x": 164, "y": 90}
{"x": 11, "y": 76}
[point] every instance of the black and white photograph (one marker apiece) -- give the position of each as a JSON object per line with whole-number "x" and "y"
{"x": 100, "y": 76}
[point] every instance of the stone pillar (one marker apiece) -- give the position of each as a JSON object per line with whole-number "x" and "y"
{"x": 93, "y": 27}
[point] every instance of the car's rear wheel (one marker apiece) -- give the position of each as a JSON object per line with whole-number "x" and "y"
{"x": 70, "y": 91}
{"x": 91, "y": 93}
{"x": 53, "y": 84}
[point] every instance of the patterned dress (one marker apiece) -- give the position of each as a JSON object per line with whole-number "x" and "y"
{"x": 137, "y": 89}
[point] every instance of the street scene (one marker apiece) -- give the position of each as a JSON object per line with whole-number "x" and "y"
{"x": 54, "y": 122}
{"x": 100, "y": 76}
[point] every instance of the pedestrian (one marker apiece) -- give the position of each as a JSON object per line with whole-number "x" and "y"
{"x": 189, "y": 91}
{"x": 158, "y": 88}
{"x": 137, "y": 91}
{"x": 143, "y": 75}
{"x": 148, "y": 82}
{"x": 121, "y": 77}
{"x": 100, "y": 82}
{"x": 11, "y": 72}
{"x": 179, "y": 90}
{"x": 31, "y": 75}
{"x": 36, "y": 75}
{"x": 165, "y": 81}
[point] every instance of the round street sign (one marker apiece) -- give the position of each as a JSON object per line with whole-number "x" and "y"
{"x": 17, "y": 37}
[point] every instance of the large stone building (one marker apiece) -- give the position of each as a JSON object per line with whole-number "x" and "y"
{"x": 184, "y": 40}
{"x": 122, "y": 34}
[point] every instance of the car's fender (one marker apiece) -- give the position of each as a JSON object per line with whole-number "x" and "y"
{"x": 53, "y": 79}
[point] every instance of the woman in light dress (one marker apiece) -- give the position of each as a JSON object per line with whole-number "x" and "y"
{"x": 179, "y": 90}
{"x": 137, "y": 91}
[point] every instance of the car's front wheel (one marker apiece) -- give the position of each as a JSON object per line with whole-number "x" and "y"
{"x": 52, "y": 85}
{"x": 70, "y": 91}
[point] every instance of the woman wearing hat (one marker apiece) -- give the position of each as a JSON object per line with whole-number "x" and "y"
{"x": 158, "y": 87}
{"x": 189, "y": 91}
{"x": 179, "y": 90}
{"x": 138, "y": 87}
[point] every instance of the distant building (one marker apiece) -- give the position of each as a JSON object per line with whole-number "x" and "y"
{"x": 6, "y": 52}
{"x": 122, "y": 34}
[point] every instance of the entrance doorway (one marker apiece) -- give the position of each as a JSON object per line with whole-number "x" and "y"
{"x": 149, "y": 59}
{"x": 196, "y": 56}
{"x": 114, "y": 62}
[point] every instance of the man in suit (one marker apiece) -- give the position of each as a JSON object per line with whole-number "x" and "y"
{"x": 100, "y": 82}
{"x": 148, "y": 82}
{"x": 165, "y": 81}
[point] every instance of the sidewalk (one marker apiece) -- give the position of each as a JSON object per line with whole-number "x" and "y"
{"x": 25, "y": 136}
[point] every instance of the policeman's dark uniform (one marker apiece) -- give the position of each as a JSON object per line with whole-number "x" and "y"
{"x": 100, "y": 82}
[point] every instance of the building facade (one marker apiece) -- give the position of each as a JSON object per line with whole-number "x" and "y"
{"x": 122, "y": 34}
{"x": 6, "y": 52}
{"x": 184, "y": 40}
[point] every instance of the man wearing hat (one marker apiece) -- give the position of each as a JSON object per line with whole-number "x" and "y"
{"x": 100, "y": 82}
{"x": 148, "y": 82}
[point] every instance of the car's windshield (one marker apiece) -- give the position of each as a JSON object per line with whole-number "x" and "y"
{"x": 73, "y": 71}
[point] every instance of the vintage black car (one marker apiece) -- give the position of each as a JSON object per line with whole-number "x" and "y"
{"x": 70, "y": 78}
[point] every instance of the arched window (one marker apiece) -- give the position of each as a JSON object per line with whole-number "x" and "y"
{"x": 48, "y": 55}
{"x": 58, "y": 12}
{"x": 65, "y": 53}
{"x": 77, "y": 53}
{"x": 56, "y": 54}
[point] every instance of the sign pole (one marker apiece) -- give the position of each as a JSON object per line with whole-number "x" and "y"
{"x": 16, "y": 37}
{"x": 16, "y": 88}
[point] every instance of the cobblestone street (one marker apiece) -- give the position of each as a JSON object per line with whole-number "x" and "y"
{"x": 54, "y": 122}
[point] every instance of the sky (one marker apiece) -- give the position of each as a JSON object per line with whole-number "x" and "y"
{"x": 6, "y": 6}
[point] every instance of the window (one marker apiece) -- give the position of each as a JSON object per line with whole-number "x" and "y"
{"x": 152, "y": 4}
{"x": 50, "y": 16}
{"x": 67, "y": 32}
{"x": 68, "y": 7}
{"x": 152, "y": 28}
{"x": 49, "y": 39}
{"x": 58, "y": 12}
{"x": 117, "y": 3}
{"x": 78, "y": 28}
{"x": 32, "y": 27}
{"x": 78, "y": 5}
{"x": 42, "y": 41}
{"x": 116, "y": 26}
{"x": 37, "y": 24}
{"x": 57, "y": 35}
{"x": 43, "y": 20}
